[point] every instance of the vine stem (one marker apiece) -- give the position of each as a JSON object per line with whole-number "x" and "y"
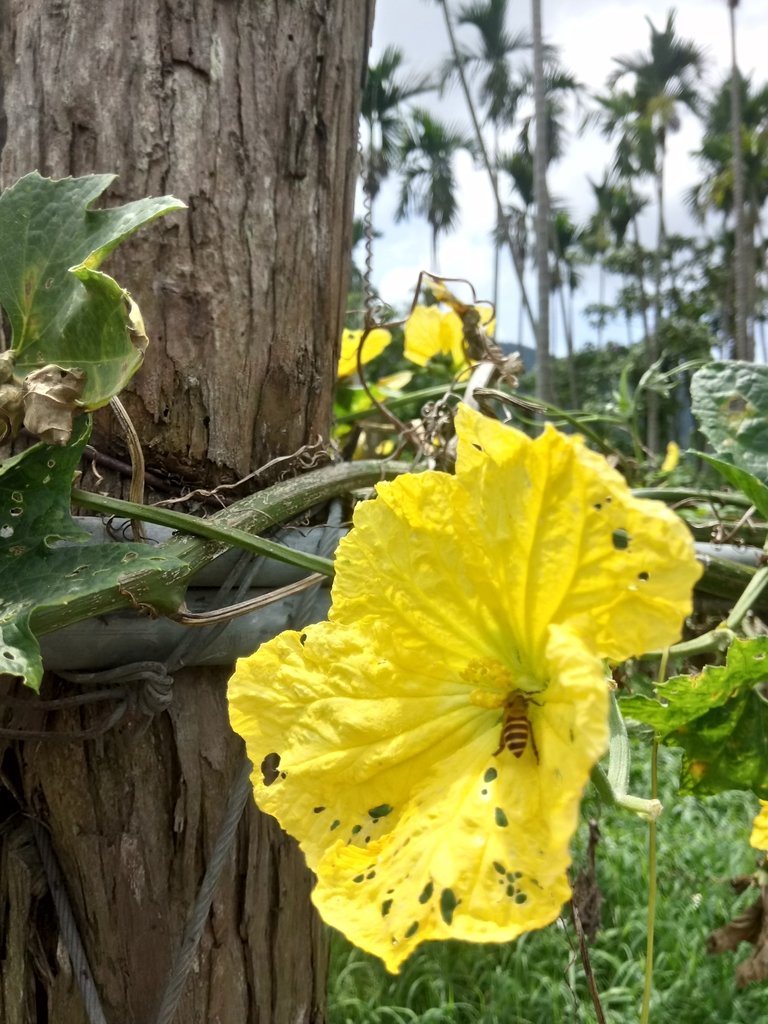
{"x": 202, "y": 540}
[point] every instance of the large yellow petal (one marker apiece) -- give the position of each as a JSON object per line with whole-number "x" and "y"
{"x": 579, "y": 547}
{"x": 374, "y": 344}
{"x": 334, "y": 728}
{"x": 389, "y": 778}
{"x": 419, "y": 571}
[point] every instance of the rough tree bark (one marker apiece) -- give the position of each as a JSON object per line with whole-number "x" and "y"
{"x": 247, "y": 111}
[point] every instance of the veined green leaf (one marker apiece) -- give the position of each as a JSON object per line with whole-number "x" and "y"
{"x": 730, "y": 401}
{"x": 34, "y": 513}
{"x": 719, "y": 718}
{"x": 61, "y": 308}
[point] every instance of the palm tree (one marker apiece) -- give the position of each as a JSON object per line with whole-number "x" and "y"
{"x": 717, "y": 191}
{"x": 634, "y": 156}
{"x": 662, "y": 80}
{"x": 566, "y": 238}
{"x": 428, "y": 187}
{"x": 543, "y": 226}
{"x": 560, "y": 87}
{"x": 617, "y": 207}
{"x": 518, "y": 166}
{"x": 384, "y": 94}
{"x": 491, "y": 61}
{"x": 482, "y": 154}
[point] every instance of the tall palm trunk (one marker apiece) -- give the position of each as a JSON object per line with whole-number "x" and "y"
{"x": 543, "y": 376}
{"x": 745, "y": 345}
{"x": 567, "y": 321}
{"x": 641, "y": 281}
{"x": 653, "y": 341}
{"x": 497, "y": 232}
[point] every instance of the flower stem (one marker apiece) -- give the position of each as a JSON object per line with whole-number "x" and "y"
{"x": 613, "y": 787}
{"x": 648, "y": 986}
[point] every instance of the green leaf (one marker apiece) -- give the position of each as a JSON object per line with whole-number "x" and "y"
{"x": 34, "y": 496}
{"x": 34, "y": 513}
{"x": 730, "y": 401}
{"x": 749, "y": 485}
{"x": 62, "y": 310}
{"x": 719, "y": 718}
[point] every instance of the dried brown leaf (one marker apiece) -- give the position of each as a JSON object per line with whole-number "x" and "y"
{"x": 51, "y": 402}
{"x": 750, "y": 926}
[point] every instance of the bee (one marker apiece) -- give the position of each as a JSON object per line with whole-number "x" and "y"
{"x": 516, "y": 728}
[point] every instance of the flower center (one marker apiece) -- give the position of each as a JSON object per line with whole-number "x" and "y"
{"x": 493, "y": 682}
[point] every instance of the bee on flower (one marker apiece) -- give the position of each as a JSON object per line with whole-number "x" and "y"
{"x": 429, "y": 744}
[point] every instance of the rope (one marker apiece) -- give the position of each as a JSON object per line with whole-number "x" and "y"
{"x": 68, "y": 926}
{"x": 185, "y": 957}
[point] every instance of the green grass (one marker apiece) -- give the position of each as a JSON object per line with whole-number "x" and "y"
{"x": 539, "y": 978}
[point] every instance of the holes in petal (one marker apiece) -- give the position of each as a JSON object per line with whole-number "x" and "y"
{"x": 448, "y": 904}
{"x": 620, "y": 540}
{"x": 269, "y": 768}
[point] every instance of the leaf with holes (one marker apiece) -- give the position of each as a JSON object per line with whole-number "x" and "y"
{"x": 61, "y": 308}
{"x": 37, "y": 576}
{"x": 719, "y": 718}
{"x": 730, "y": 401}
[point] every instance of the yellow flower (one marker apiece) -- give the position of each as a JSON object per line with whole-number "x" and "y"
{"x": 374, "y": 345}
{"x": 430, "y": 331}
{"x": 429, "y": 745}
{"x": 759, "y": 837}
{"x": 671, "y": 458}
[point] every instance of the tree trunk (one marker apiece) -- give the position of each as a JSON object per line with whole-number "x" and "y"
{"x": 248, "y": 113}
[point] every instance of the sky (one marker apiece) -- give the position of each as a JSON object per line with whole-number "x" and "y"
{"x": 589, "y": 33}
